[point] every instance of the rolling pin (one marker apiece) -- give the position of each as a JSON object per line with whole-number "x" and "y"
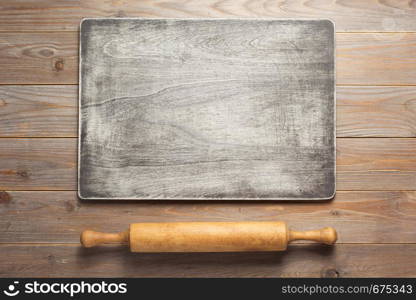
{"x": 207, "y": 237}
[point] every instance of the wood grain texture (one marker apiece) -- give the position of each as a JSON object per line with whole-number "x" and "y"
{"x": 362, "y": 164}
{"x": 391, "y": 15}
{"x": 59, "y": 217}
{"x": 362, "y": 59}
{"x": 38, "y": 111}
{"x": 376, "y": 164}
{"x": 362, "y": 111}
{"x": 187, "y": 237}
{"x": 38, "y": 164}
{"x": 298, "y": 261}
{"x": 366, "y": 111}
{"x": 207, "y": 109}
{"x": 45, "y": 57}
{"x": 39, "y": 57}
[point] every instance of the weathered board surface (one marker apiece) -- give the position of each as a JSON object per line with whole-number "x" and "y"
{"x": 59, "y": 216}
{"x": 207, "y": 109}
{"x": 366, "y": 164}
{"x": 376, "y": 77}
{"x": 65, "y": 15}
{"x": 362, "y": 111}
{"x": 362, "y": 58}
{"x": 341, "y": 260}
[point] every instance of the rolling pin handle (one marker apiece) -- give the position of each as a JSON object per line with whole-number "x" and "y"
{"x": 326, "y": 235}
{"x": 90, "y": 238}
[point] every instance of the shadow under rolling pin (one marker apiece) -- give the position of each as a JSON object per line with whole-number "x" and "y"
{"x": 208, "y": 237}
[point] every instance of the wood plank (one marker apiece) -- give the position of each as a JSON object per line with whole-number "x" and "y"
{"x": 362, "y": 164}
{"x": 349, "y": 16}
{"x": 376, "y": 164}
{"x": 362, "y": 111}
{"x": 59, "y": 217}
{"x": 38, "y": 164}
{"x": 376, "y": 111}
{"x": 379, "y": 59}
{"x": 38, "y": 111}
{"x": 299, "y": 261}
{"x": 363, "y": 59}
{"x": 47, "y": 57}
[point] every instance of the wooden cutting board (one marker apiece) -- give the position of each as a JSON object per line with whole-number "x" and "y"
{"x": 207, "y": 109}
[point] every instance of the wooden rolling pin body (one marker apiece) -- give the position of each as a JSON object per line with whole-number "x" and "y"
{"x": 207, "y": 237}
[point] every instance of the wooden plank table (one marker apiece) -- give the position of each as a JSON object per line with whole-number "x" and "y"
{"x": 375, "y": 206}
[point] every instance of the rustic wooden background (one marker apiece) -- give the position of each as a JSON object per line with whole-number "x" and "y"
{"x": 375, "y": 207}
